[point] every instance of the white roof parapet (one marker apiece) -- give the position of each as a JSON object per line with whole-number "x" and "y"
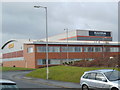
{"x": 77, "y": 42}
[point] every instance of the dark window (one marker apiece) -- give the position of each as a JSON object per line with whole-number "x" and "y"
{"x": 85, "y": 76}
{"x": 44, "y": 61}
{"x": 48, "y": 61}
{"x": 90, "y": 76}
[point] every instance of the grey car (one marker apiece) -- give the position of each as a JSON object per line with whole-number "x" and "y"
{"x": 107, "y": 79}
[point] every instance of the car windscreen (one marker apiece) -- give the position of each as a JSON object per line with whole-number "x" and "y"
{"x": 8, "y": 86}
{"x": 113, "y": 75}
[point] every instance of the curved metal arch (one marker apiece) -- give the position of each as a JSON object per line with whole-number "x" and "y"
{"x": 7, "y": 43}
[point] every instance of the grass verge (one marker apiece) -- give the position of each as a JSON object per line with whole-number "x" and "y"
{"x": 62, "y": 73}
{"x": 14, "y": 69}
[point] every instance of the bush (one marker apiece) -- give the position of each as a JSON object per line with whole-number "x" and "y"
{"x": 99, "y": 62}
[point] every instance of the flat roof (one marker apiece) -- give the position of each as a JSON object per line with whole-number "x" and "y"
{"x": 96, "y": 30}
{"x": 75, "y": 43}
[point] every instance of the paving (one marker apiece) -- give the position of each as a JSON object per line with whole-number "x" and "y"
{"x": 60, "y": 84}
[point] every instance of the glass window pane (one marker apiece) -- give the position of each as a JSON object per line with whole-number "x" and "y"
{"x": 98, "y": 49}
{"x": 71, "y": 49}
{"x": 92, "y": 76}
{"x": 39, "y": 62}
{"x": 85, "y": 76}
{"x": 114, "y": 49}
{"x": 44, "y": 61}
{"x": 64, "y": 49}
{"x": 30, "y": 49}
{"x": 50, "y": 49}
{"x": 85, "y": 49}
{"x": 99, "y": 77}
{"x": 106, "y": 49}
{"x": 41, "y": 49}
{"x": 78, "y": 49}
{"x": 88, "y": 49}
{"x": 54, "y": 49}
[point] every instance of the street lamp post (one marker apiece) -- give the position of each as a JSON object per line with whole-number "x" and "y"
{"x": 46, "y": 38}
{"x": 67, "y": 42}
{"x": 103, "y": 46}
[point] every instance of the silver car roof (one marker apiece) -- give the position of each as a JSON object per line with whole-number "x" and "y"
{"x": 101, "y": 70}
{"x": 6, "y": 81}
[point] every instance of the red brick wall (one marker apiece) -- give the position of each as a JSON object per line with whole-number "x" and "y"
{"x": 13, "y": 54}
{"x": 29, "y": 57}
{"x": 16, "y": 54}
{"x": 12, "y": 63}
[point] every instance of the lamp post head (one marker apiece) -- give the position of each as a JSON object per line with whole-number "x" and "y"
{"x": 66, "y": 29}
{"x": 36, "y": 6}
{"x": 39, "y": 7}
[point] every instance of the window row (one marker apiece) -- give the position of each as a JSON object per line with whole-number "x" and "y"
{"x": 92, "y": 49}
{"x": 58, "y": 49}
{"x": 74, "y": 49}
{"x": 59, "y": 61}
{"x": 43, "y": 61}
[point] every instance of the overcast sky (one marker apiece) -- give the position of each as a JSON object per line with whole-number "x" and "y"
{"x": 21, "y": 21}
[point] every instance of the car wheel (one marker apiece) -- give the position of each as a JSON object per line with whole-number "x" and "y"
{"x": 85, "y": 87}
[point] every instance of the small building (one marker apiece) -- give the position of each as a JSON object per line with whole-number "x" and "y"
{"x": 83, "y": 35}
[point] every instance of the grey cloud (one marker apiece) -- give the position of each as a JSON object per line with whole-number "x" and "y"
{"x": 25, "y": 21}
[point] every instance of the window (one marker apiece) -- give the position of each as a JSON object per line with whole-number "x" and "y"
{"x": 106, "y": 49}
{"x": 85, "y": 49}
{"x": 114, "y": 49}
{"x": 44, "y": 61}
{"x": 112, "y": 75}
{"x": 92, "y": 76}
{"x": 78, "y": 49}
{"x": 100, "y": 77}
{"x": 98, "y": 49}
{"x": 54, "y": 49}
{"x": 30, "y": 49}
{"x": 71, "y": 49}
{"x": 86, "y": 76}
{"x": 50, "y": 49}
{"x": 39, "y": 62}
{"x": 88, "y": 49}
{"x": 89, "y": 59}
{"x": 64, "y": 49}
{"x": 41, "y": 49}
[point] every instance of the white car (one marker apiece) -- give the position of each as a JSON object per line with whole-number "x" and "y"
{"x": 7, "y": 85}
{"x": 105, "y": 79}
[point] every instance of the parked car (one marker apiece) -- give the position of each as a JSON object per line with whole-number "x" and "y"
{"x": 107, "y": 79}
{"x": 7, "y": 85}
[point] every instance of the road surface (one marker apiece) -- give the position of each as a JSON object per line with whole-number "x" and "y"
{"x": 23, "y": 83}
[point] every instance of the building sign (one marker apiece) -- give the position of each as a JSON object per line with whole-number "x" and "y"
{"x": 99, "y": 33}
{"x": 11, "y": 45}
